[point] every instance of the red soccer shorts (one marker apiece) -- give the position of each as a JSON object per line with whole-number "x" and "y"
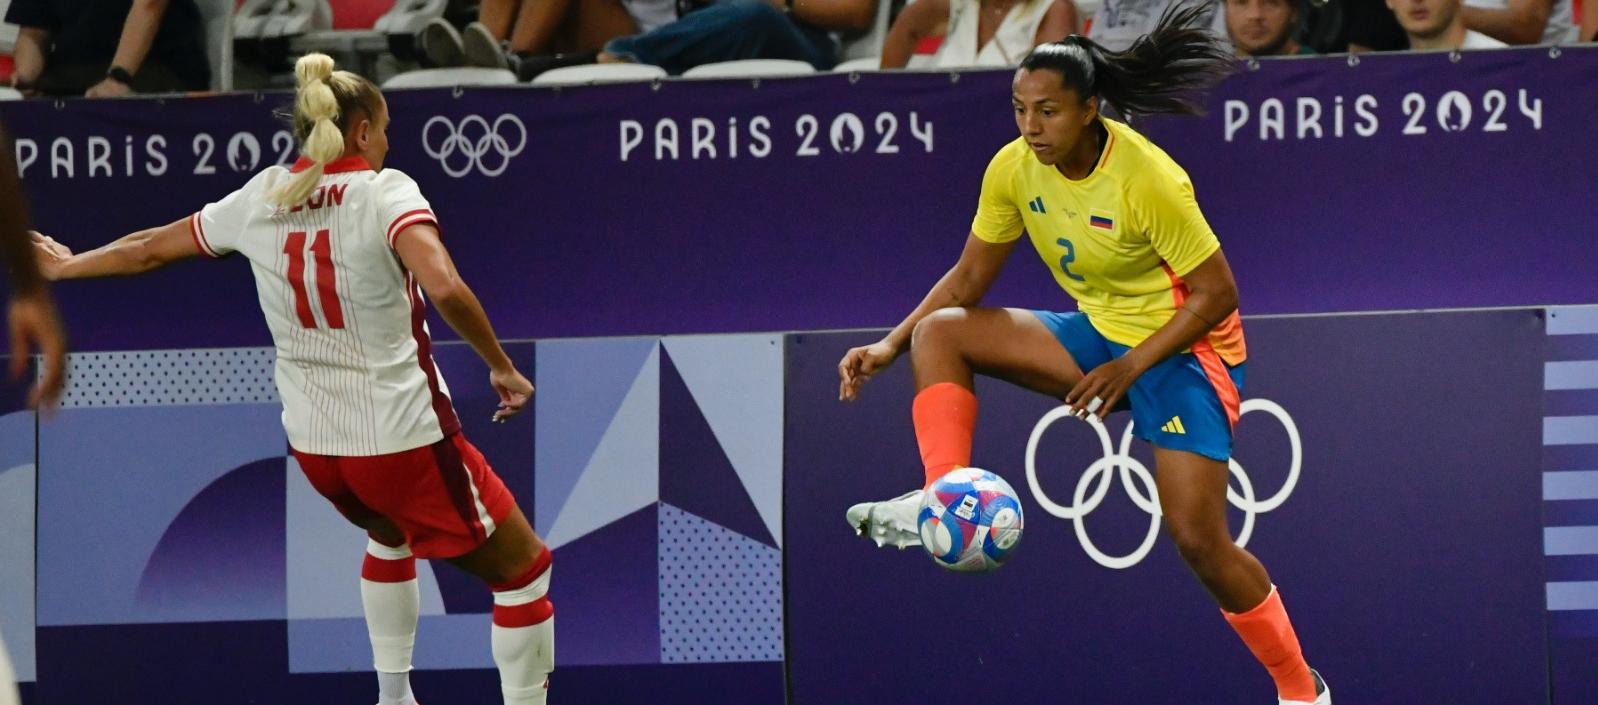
{"x": 444, "y": 497}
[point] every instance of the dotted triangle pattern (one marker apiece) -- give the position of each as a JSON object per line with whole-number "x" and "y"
{"x": 720, "y": 593}
{"x": 170, "y": 378}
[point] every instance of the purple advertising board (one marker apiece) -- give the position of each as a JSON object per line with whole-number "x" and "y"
{"x": 1406, "y": 541}
{"x": 1405, "y": 181}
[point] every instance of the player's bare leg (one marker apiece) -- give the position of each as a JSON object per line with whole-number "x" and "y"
{"x": 1192, "y": 491}
{"x": 516, "y": 565}
{"x": 948, "y": 348}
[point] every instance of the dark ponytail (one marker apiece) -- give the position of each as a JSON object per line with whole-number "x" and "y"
{"x": 1163, "y": 72}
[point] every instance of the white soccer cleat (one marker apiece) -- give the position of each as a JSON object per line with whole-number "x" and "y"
{"x": 889, "y": 522}
{"x": 1323, "y": 692}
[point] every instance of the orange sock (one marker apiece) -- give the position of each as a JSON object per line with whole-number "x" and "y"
{"x": 945, "y": 417}
{"x": 1268, "y": 633}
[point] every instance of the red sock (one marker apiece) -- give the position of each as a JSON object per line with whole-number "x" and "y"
{"x": 945, "y": 417}
{"x": 1268, "y": 633}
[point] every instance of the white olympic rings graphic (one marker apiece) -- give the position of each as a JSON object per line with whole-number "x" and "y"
{"x": 1083, "y": 503}
{"x": 474, "y": 138}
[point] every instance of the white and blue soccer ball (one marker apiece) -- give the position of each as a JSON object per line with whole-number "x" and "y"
{"x": 970, "y": 521}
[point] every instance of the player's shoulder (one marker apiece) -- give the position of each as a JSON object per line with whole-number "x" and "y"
{"x": 266, "y": 179}
{"x": 391, "y": 178}
{"x": 1140, "y": 164}
{"x": 1010, "y": 156}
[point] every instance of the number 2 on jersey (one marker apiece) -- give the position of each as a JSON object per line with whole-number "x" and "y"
{"x": 326, "y": 286}
{"x": 1067, "y": 258}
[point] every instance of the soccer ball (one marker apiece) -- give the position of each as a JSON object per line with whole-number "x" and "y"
{"x": 970, "y": 521}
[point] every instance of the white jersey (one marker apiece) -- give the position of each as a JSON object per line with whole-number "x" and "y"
{"x": 354, "y": 359}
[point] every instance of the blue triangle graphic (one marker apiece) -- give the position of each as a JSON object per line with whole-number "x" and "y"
{"x": 581, "y": 385}
{"x": 695, "y": 474}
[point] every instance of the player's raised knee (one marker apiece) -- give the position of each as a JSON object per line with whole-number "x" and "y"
{"x": 938, "y": 328}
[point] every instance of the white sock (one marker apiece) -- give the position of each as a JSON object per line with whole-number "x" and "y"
{"x": 526, "y": 656}
{"x": 523, "y": 636}
{"x": 392, "y": 607}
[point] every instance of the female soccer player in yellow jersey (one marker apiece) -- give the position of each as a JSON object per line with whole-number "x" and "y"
{"x": 1115, "y": 221}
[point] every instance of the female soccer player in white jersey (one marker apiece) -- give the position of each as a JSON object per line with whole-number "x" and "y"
{"x": 1115, "y": 221}
{"x": 343, "y": 250}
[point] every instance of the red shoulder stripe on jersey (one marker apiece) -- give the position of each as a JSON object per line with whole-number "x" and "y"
{"x": 354, "y": 162}
{"x": 197, "y": 231}
{"x": 407, "y": 219}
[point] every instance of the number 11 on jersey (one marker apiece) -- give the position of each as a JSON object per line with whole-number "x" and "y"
{"x": 326, "y": 285}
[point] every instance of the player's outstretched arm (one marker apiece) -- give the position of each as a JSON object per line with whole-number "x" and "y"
{"x": 132, "y": 254}
{"x": 423, "y": 253}
{"x": 963, "y": 286}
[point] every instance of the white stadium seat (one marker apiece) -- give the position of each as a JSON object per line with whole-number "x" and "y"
{"x": 751, "y": 68}
{"x": 869, "y": 42}
{"x": 868, "y": 63}
{"x": 443, "y": 78}
{"x": 10, "y": 94}
{"x": 600, "y": 73}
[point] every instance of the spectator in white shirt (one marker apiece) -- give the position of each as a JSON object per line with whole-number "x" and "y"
{"x": 979, "y": 32}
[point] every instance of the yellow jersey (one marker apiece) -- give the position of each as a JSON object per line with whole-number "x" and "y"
{"x": 1118, "y": 240}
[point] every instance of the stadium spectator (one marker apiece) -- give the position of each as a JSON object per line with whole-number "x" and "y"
{"x": 1264, "y": 27}
{"x": 1522, "y": 21}
{"x": 746, "y": 29}
{"x": 1118, "y": 23}
{"x": 1369, "y": 25}
{"x": 1438, "y": 24}
{"x": 1589, "y": 21}
{"x": 108, "y": 48}
{"x": 979, "y": 32}
{"x": 509, "y": 31}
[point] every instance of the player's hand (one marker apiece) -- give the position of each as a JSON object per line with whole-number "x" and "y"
{"x": 51, "y": 255}
{"x": 1102, "y": 388}
{"x": 33, "y": 323}
{"x": 859, "y": 364}
{"x": 514, "y": 391}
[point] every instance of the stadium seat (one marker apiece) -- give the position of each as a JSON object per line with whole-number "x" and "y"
{"x": 409, "y": 16}
{"x": 751, "y": 68}
{"x": 460, "y": 76}
{"x": 10, "y": 94}
{"x": 599, "y": 73}
{"x": 868, "y": 43}
{"x": 271, "y": 19}
{"x": 866, "y": 63}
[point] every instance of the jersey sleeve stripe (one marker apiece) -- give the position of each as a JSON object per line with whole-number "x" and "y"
{"x": 408, "y": 219}
{"x": 197, "y": 231}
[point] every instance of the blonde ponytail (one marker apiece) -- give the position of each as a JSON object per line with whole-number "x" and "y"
{"x": 322, "y": 109}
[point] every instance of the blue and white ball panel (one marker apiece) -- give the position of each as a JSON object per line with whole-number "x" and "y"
{"x": 970, "y": 520}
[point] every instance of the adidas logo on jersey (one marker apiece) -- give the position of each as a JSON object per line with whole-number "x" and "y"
{"x": 1174, "y": 426}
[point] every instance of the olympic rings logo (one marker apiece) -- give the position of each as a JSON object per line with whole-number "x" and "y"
{"x": 1095, "y": 483}
{"x": 474, "y": 143}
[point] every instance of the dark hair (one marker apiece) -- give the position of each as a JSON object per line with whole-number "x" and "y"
{"x": 1162, "y": 72}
